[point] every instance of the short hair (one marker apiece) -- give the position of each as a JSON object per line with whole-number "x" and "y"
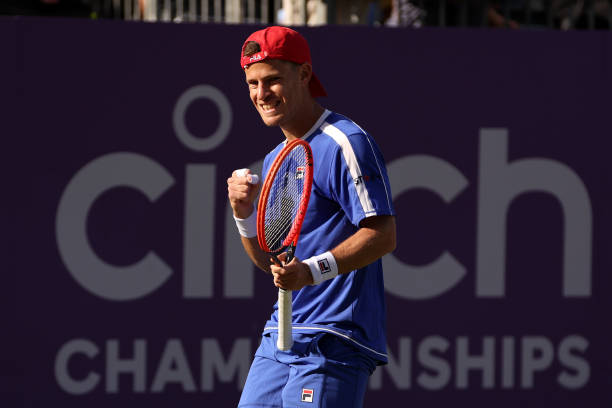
{"x": 250, "y": 48}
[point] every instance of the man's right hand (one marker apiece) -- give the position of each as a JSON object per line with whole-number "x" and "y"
{"x": 242, "y": 193}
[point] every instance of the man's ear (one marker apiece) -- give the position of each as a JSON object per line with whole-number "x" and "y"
{"x": 305, "y": 73}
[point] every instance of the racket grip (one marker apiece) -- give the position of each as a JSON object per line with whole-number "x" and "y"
{"x": 285, "y": 335}
{"x": 254, "y": 179}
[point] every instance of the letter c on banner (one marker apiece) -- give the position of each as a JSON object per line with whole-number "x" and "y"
{"x": 225, "y": 121}
{"x": 62, "y": 375}
{"x": 427, "y": 281}
{"x": 100, "y": 278}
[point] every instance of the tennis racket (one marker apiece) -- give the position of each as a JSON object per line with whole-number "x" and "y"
{"x": 280, "y": 213}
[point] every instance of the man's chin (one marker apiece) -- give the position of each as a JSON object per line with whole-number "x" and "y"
{"x": 271, "y": 120}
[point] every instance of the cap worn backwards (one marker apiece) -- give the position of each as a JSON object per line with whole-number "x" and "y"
{"x": 285, "y": 44}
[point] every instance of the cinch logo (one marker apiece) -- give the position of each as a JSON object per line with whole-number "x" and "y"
{"x": 499, "y": 182}
{"x": 307, "y": 395}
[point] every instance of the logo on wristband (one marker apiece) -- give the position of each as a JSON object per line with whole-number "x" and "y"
{"x": 324, "y": 266}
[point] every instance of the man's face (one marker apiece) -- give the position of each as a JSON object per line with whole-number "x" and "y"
{"x": 277, "y": 89}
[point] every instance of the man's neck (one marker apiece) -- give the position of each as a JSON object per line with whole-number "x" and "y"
{"x": 307, "y": 120}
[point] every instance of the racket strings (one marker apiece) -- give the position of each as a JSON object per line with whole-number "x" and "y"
{"x": 285, "y": 195}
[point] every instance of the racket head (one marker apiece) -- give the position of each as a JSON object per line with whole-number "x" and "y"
{"x": 284, "y": 198}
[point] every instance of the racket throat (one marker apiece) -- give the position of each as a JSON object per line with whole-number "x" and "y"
{"x": 290, "y": 253}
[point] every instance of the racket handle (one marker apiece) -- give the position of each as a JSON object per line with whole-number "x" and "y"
{"x": 285, "y": 336}
{"x": 254, "y": 179}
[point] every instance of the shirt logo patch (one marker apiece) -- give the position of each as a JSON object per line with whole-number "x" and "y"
{"x": 324, "y": 266}
{"x": 361, "y": 179}
{"x": 299, "y": 172}
{"x": 307, "y": 395}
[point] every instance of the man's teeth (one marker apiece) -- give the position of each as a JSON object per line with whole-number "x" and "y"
{"x": 268, "y": 107}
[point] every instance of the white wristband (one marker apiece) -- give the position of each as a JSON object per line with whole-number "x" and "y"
{"x": 322, "y": 267}
{"x": 247, "y": 227}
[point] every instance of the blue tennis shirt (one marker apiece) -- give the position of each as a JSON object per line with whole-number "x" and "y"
{"x": 350, "y": 183}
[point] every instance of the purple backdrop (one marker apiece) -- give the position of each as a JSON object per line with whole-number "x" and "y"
{"x": 122, "y": 286}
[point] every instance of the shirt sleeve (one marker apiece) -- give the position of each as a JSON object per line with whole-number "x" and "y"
{"x": 358, "y": 178}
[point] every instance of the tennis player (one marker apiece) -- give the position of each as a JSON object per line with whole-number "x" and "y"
{"x": 338, "y": 300}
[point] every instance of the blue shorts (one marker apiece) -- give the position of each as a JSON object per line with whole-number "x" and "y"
{"x": 320, "y": 370}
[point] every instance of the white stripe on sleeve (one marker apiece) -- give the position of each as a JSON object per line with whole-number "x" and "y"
{"x": 353, "y": 166}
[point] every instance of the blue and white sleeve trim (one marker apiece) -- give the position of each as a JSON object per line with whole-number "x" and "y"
{"x": 353, "y": 166}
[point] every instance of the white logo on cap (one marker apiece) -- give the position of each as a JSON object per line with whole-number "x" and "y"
{"x": 255, "y": 57}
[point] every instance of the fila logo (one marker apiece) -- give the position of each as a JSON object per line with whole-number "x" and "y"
{"x": 307, "y": 395}
{"x": 324, "y": 265}
{"x": 299, "y": 172}
{"x": 255, "y": 57}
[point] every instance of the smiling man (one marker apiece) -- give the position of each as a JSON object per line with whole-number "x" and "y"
{"x": 338, "y": 299}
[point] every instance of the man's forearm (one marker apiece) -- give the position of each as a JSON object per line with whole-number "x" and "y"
{"x": 375, "y": 238}
{"x": 259, "y": 257}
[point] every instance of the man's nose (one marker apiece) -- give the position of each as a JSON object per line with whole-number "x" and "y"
{"x": 262, "y": 92}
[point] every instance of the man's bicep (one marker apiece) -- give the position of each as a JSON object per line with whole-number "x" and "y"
{"x": 383, "y": 223}
{"x": 384, "y": 228}
{"x": 374, "y": 238}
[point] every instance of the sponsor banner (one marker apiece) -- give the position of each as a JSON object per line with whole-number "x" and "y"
{"x": 127, "y": 284}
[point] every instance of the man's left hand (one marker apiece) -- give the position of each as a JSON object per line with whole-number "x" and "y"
{"x": 293, "y": 276}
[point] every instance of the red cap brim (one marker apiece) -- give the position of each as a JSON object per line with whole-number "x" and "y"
{"x": 316, "y": 88}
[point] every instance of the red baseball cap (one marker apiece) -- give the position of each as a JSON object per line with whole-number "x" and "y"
{"x": 285, "y": 44}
